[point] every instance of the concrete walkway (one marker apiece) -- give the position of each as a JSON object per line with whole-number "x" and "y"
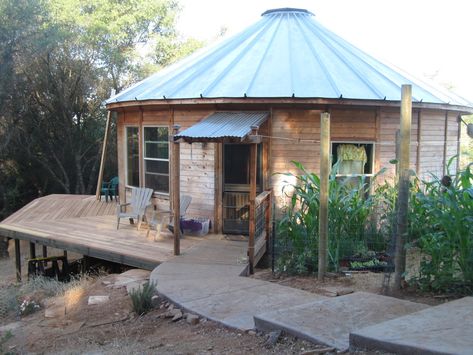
{"x": 206, "y": 279}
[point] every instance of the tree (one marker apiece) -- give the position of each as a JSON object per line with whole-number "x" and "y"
{"x": 58, "y": 61}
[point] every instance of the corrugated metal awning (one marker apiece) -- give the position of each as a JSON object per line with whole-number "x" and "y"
{"x": 223, "y": 126}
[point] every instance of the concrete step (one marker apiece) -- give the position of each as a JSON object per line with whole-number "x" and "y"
{"x": 330, "y": 321}
{"x": 444, "y": 329}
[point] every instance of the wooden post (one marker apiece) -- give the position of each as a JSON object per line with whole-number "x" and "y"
{"x": 45, "y": 251}
{"x": 102, "y": 159}
{"x": 18, "y": 260}
{"x": 176, "y": 185}
{"x": 324, "y": 185}
{"x": 403, "y": 195}
{"x": 267, "y": 216}
{"x": 32, "y": 250}
{"x": 252, "y": 217}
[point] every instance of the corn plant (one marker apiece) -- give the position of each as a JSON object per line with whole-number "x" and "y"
{"x": 350, "y": 209}
{"x": 446, "y": 214}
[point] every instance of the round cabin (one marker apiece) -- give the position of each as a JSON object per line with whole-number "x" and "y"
{"x": 244, "y": 109}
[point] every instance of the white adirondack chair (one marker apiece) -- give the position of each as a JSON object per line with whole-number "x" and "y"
{"x": 140, "y": 199}
{"x": 159, "y": 217}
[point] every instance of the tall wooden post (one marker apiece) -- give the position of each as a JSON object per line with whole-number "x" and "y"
{"x": 18, "y": 260}
{"x": 252, "y": 222}
{"x": 324, "y": 185}
{"x": 32, "y": 250}
{"x": 176, "y": 187}
{"x": 102, "y": 159}
{"x": 403, "y": 194}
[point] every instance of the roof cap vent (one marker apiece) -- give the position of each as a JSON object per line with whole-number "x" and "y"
{"x": 287, "y": 9}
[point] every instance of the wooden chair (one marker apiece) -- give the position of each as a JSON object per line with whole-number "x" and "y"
{"x": 140, "y": 200}
{"x": 159, "y": 217}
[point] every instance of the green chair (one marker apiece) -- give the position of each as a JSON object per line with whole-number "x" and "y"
{"x": 110, "y": 189}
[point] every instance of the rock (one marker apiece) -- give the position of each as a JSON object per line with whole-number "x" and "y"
{"x": 137, "y": 274}
{"x": 251, "y": 332}
{"x": 171, "y": 307}
{"x": 318, "y": 351}
{"x": 134, "y": 286}
{"x": 55, "y": 307}
{"x": 177, "y": 316}
{"x": 155, "y": 300}
{"x": 273, "y": 338}
{"x": 93, "y": 300}
{"x": 192, "y": 319}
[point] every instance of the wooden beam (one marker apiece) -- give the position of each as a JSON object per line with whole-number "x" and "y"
{"x": 141, "y": 136}
{"x": 445, "y": 144}
{"x": 324, "y": 185}
{"x": 218, "y": 180}
{"x": 175, "y": 192}
{"x": 419, "y": 139}
{"x": 18, "y": 260}
{"x": 252, "y": 216}
{"x": 32, "y": 250}
{"x": 403, "y": 195}
{"x": 102, "y": 158}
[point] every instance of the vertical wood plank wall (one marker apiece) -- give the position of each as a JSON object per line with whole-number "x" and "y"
{"x": 377, "y": 125}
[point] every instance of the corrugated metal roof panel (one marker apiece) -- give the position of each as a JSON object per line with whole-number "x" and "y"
{"x": 285, "y": 54}
{"x": 221, "y": 125}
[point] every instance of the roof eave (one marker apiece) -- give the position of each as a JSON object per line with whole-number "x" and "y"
{"x": 116, "y": 106}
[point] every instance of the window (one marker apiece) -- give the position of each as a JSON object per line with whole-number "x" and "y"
{"x": 156, "y": 158}
{"x": 353, "y": 158}
{"x": 132, "y": 157}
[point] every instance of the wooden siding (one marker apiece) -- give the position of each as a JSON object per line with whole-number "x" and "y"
{"x": 294, "y": 136}
{"x": 197, "y": 160}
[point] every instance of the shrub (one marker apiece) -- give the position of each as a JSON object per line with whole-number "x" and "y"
{"x": 141, "y": 298}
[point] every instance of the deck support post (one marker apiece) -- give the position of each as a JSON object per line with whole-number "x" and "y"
{"x": 176, "y": 186}
{"x": 324, "y": 187}
{"x": 252, "y": 216}
{"x": 32, "y": 250}
{"x": 102, "y": 159}
{"x": 404, "y": 177}
{"x": 18, "y": 260}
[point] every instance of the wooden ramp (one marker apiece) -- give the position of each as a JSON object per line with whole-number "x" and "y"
{"x": 81, "y": 224}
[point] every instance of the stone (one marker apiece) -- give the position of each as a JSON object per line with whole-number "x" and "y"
{"x": 155, "y": 300}
{"x": 94, "y": 300}
{"x": 251, "y": 332}
{"x": 192, "y": 319}
{"x": 134, "y": 286}
{"x": 177, "y": 316}
{"x": 273, "y": 338}
{"x": 318, "y": 351}
{"x": 10, "y": 327}
{"x": 55, "y": 307}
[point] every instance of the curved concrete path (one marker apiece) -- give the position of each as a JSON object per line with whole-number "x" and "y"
{"x": 206, "y": 280}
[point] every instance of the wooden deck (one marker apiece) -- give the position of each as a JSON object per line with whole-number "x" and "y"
{"x": 83, "y": 225}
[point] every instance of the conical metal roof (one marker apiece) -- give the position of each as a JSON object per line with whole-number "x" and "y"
{"x": 285, "y": 54}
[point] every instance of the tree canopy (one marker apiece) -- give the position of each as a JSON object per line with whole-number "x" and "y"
{"x": 59, "y": 60}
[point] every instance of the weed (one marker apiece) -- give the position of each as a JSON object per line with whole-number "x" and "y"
{"x": 141, "y": 298}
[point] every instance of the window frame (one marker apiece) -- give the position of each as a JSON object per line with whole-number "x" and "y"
{"x": 168, "y": 160}
{"x": 373, "y": 156}
{"x": 126, "y": 156}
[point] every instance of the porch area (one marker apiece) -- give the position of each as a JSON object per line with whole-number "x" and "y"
{"x": 84, "y": 225}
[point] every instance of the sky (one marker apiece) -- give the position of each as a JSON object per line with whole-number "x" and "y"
{"x": 428, "y": 39}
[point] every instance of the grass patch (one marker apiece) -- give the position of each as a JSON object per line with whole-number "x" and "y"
{"x": 141, "y": 298}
